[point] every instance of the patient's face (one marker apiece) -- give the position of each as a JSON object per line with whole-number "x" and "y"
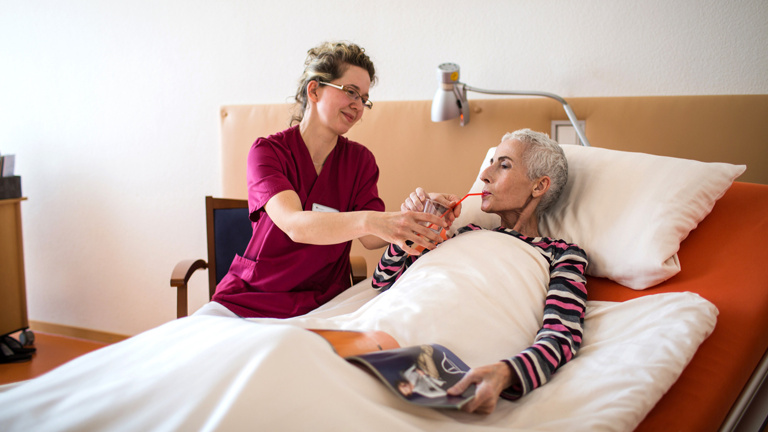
{"x": 405, "y": 388}
{"x": 506, "y": 179}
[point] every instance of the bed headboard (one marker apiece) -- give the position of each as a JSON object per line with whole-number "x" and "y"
{"x": 412, "y": 151}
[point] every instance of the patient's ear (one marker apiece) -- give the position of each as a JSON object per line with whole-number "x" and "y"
{"x": 541, "y": 186}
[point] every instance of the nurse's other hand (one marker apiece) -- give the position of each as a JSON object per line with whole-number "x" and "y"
{"x": 409, "y": 226}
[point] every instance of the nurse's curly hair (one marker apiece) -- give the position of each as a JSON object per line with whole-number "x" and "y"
{"x": 325, "y": 63}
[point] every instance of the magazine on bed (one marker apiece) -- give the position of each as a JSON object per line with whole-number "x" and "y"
{"x": 419, "y": 374}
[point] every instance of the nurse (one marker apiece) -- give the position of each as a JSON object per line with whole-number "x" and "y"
{"x": 311, "y": 191}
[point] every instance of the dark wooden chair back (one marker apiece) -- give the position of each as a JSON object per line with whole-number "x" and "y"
{"x": 229, "y": 230}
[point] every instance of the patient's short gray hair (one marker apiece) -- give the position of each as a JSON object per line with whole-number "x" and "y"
{"x": 543, "y": 157}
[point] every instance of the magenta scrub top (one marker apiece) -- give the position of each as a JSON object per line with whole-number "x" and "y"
{"x": 277, "y": 277}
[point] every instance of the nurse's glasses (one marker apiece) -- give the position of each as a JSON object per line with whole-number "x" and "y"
{"x": 352, "y": 93}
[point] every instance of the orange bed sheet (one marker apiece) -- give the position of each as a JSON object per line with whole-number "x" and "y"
{"x": 723, "y": 260}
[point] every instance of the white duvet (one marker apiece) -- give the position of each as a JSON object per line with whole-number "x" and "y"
{"x": 215, "y": 373}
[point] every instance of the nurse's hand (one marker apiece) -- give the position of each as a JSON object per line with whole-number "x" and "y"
{"x": 407, "y": 229}
{"x": 417, "y": 199}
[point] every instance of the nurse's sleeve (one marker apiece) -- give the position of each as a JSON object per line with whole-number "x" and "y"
{"x": 265, "y": 176}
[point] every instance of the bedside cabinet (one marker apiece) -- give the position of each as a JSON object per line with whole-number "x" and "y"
{"x": 13, "y": 295}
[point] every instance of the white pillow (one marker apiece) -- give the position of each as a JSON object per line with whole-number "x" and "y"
{"x": 628, "y": 211}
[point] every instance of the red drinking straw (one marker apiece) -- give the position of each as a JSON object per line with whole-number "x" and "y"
{"x": 465, "y": 197}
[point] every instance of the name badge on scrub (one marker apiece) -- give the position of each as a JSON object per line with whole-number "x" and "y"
{"x": 322, "y": 208}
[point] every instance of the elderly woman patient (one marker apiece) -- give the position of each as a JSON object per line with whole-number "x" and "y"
{"x": 526, "y": 175}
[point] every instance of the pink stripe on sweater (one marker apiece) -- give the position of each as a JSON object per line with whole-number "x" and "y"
{"x": 563, "y": 329}
{"x": 567, "y": 352}
{"x": 531, "y": 372}
{"x": 564, "y": 305}
{"x": 557, "y": 244}
{"x": 395, "y": 267}
{"x": 580, "y": 267}
{"x": 546, "y": 355}
{"x": 580, "y": 286}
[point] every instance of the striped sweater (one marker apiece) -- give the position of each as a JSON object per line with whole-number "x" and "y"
{"x": 559, "y": 338}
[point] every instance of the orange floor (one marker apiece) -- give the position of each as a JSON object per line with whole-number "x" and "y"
{"x": 52, "y": 351}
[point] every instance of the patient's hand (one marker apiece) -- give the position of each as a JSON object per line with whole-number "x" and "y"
{"x": 417, "y": 199}
{"x": 491, "y": 380}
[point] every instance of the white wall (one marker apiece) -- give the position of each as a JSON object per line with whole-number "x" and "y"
{"x": 112, "y": 106}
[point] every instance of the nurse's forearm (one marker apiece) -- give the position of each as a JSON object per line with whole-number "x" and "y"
{"x": 311, "y": 227}
{"x": 321, "y": 228}
{"x": 389, "y": 227}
